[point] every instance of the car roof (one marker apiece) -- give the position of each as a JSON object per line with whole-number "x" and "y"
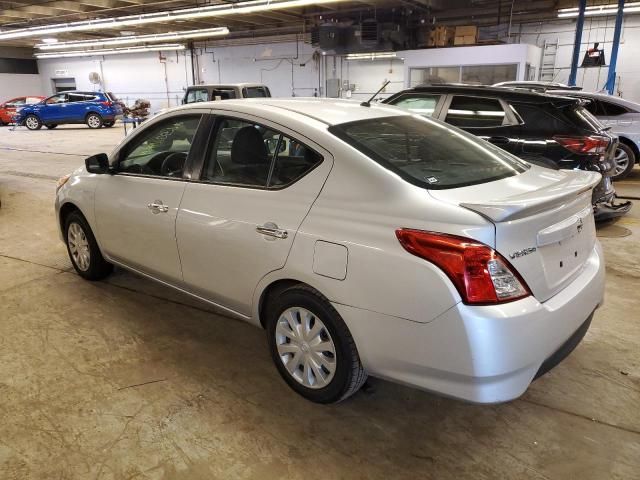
{"x": 604, "y": 96}
{"x": 227, "y": 85}
{"x": 502, "y": 92}
{"x": 330, "y": 111}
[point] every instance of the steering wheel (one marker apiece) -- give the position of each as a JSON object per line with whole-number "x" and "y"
{"x": 173, "y": 164}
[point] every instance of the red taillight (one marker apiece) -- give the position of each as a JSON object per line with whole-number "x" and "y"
{"x": 590, "y": 145}
{"x": 480, "y": 274}
{"x": 106, "y": 104}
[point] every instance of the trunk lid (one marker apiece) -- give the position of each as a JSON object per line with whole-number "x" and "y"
{"x": 543, "y": 223}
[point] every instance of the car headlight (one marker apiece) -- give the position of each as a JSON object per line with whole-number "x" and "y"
{"x": 62, "y": 181}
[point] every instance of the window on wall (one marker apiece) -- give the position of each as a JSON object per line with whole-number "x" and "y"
{"x": 420, "y": 76}
{"x": 473, "y": 74}
{"x": 489, "y": 74}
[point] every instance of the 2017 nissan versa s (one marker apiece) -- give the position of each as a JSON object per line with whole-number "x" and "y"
{"x": 364, "y": 240}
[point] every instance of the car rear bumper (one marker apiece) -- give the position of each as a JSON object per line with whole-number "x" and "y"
{"x": 482, "y": 354}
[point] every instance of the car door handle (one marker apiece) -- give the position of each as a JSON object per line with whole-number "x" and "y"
{"x": 158, "y": 207}
{"x": 271, "y": 229}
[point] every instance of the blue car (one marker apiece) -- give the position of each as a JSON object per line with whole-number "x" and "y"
{"x": 96, "y": 109}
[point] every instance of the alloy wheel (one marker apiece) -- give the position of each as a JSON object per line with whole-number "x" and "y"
{"x": 32, "y": 123}
{"x": 79, "y": 246}
{"x": 94, "y": 121}
{"x": 622, "y": 162}
{"x": 305, "y": 347}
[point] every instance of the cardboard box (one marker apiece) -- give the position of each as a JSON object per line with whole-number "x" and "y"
{"x": 467, "y": 31}
{"x": 466, "y": 40}
{"x": 441, "y": 37}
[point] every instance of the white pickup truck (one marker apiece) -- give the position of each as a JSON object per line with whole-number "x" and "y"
{"x": 212, "y": 92}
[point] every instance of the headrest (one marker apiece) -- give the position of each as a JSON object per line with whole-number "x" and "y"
{"x": 248, "y": 147}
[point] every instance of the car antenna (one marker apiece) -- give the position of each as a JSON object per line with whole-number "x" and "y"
{"x": 368, "y": 102}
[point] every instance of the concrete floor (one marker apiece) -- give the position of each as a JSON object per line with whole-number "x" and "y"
{"x": 124, "y": 379}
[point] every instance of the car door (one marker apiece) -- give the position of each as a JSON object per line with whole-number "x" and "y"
{"x": 238, "y": 221}
{"x": 54, "y": 108}
{"x": 137, "y": 206}
{"x": 78, "y": 105}
{"x": 488, "y": 118}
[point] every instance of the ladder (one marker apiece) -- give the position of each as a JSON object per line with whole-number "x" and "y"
{"x": 548, "y": 65}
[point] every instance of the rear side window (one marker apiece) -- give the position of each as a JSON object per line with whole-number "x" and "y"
{"x": 472, "y": 112}
{"x": 547, "y": 120}
{"x": 428, "y": 153}
{"x": 611, "y": 109}
{"x": 81, "y": 97}
{"x": 422, "y": 104}
{"x": 256, "y": 92}
{"x": 252, "y": 155}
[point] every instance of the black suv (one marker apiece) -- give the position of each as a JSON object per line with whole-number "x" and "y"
{"x": 549, "y": 130}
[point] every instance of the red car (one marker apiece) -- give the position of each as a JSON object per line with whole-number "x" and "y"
{"x": 8, "y": 109}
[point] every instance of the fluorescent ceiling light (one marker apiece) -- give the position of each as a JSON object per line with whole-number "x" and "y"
{"x": 370, "y": 56}
{"x": 252, "y": 6}
{"x": 610, "y": 9}
{"x": 109, "y": 51}
{"x": 133, "y": 39}
{"x": 49, "y": 40}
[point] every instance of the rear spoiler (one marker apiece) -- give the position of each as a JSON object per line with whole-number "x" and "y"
{"x": 536, "y": 201}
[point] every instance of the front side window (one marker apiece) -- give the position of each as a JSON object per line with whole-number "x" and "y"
{"x": 62, "y": 98}
{"x": 473, "y": 112}
{"x": 248, "y": 154}
{"x": 422, "y": 104}
{"x": 199, "y": 95}
{"x": 162, "y": 149}
{"x": 428, "y": 153}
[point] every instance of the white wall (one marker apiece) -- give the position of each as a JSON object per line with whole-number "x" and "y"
{"x": 17, "y": 85}
{"x": 291, "y": 68}
{"x": 130, "y": 77}
{"x": 595, "y": 30}
{"x": 13, "y": 85}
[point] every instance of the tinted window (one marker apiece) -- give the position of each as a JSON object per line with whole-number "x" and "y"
{"x": 423, "y": 104}
{"x": 81, "y": 97}
{"x": 611, "y": 109}
{"x": 111, "y": 97}
{"x": 162, "y": 149}
{"x": 427, "y": 153}
{"x": 593, "y": 107}
{"x": 200, "y": 95}
{"x": 470, "y": 112}
{"x": 256, "y": 92}
{"x": 222, "y": 93}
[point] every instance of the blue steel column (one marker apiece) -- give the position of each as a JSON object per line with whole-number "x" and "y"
{"x": 611, "y": 78}
{"x": 576, "y": 43}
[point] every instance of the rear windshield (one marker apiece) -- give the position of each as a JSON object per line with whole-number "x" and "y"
{"x": 112, "y": 97}
{"x": 428, "y": 153}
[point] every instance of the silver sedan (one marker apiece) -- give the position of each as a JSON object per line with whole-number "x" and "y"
{"x": 365, "y": 240}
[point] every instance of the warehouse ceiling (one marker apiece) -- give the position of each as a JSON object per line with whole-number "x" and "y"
{"x": 408, "y": 13}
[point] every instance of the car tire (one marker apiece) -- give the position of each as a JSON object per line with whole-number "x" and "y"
{"x": 83, "y": 249}
{"x": 625, "y": 160}
{"x": 51, "y": 126}
{"x": 312, "y": 347}
{"x": 32, "y": 122}
{"x": 94, "y": 120}
{"x": 108, "y": 124}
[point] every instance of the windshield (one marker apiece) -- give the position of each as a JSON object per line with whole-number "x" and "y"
{"x": 428, "y": 153}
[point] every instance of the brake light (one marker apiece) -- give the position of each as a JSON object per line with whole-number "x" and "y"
{"x": 106, "y": 104}
{"x": 480, "y": 274}
{"x": 590, "y": 145}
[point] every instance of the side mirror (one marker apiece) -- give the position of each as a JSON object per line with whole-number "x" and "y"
{"x": 98, "y": 163}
